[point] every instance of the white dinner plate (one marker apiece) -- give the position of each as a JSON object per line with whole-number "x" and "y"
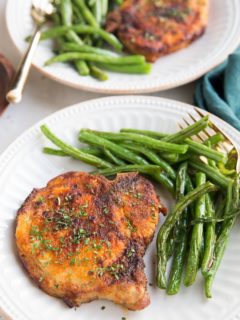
{"x": 23, "y": 166}
{"x": 221, "y": 38}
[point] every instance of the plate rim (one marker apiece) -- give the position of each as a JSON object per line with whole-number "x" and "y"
{"x": 112, "y": 91}
{"x": 91, "y": 105}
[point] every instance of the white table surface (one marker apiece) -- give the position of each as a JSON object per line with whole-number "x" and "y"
{"x": 43, "y": 96}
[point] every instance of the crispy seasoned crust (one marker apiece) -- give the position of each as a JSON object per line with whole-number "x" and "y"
{"x": 83, "y": 237}
{"x": 155, "y": 28}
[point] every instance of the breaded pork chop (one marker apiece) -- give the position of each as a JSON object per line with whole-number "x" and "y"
{"x": 157, "y": 27}
{"x": 83, "y": 237}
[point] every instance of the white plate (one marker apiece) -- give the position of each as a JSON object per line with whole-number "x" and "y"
{"x": 23, "y": 166}
{"x": 221, "y": 38}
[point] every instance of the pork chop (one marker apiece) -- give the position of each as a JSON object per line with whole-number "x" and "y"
{"x": 83, "y": 237}
{"x": 155, "y": 28}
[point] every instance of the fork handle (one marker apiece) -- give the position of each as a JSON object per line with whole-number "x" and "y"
{"x": 15, "y": 93}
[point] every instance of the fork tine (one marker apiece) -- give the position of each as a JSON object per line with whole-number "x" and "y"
{"x": 206, "y": 132}
{"x": 224, "y": 144}
{"x": 202, "y": 114}
{"x": 188, "y": 123}
{"x": 213, "y": 126}
{"x": 227, "y": 144}
{"x": 199, "y": 135}
{"x": 215, "y": 129}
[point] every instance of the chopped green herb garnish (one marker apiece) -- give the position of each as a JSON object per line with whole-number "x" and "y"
{"x": 130, "y": 226}
{"x": 105, "y": 210}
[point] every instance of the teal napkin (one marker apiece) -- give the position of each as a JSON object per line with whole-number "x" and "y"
{"x": 219, "y": 91}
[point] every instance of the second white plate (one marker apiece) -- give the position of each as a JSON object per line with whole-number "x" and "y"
{"x": 221, "y": 38}
{"x": 23, "y": 166}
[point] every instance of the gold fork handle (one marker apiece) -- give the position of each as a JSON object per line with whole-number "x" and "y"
{"x": 15, "y": 93}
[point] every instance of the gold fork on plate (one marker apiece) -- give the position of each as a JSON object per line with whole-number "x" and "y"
{"x": 40, "y": 10}
{"x": 225, "y": 146}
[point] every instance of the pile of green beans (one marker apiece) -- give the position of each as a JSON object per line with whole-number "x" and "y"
{"x": 196, "y": 231}
{"x": 77, "y": 26}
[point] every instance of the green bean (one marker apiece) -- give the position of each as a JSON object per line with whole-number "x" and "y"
{"x": 189, "y": 188}
{"x": 82, "y": 67}
{"x": 73, "y": 47}
{"x": 58, "y": 152}
{"x": 143, "y": 68}
{"x": 196, "y": 237}
{"x": 104, "y": 9}
{"x": 55, "y": 152}
{"x": 211, "y": 162}
{"x": 87, "y": 136}
{"x": 179, "y": 257}
{"x": 203, "y": 150}
{"x": 229, "y": 198}
{"x": 153, "y": 157}
{"x": 214, "y": 220}
{"x": 147, "y": 141}
{"x": 66, "y": 14}
{"x": 181, "y": 181}
{"x": 97, "y": 10}
{"x": 227, "y": 172}
{"x": 211, "y": 173}
{"x": 188, "y": 132}
{"x": 71, "y": 56}
{"x": 220, "y": 213}
{"x": 113, "y": 158}
{"x": 55, "y": 32}
{"x": 145, "y": 169}
{"x": 215, "y": 139}
{"x": 170, "y": 157}
{"x": 86, "y": 13}
{"x": 182, "y": 236}
{"x": 210, "y": 238}
{"x": 169, "y": 223}
{"x": 77, "y": 16}
{"x": 152, "y": 134}
{"x": 122, "y": 153}
{"x": 170, "y": 244}
{"x": 223, "y": 238}
{"x": 56, "y": 19}
{"x": 74, "y": 152}
{"x": 164, "y": 180}
{"x": 175, "y": 137}
{"x": 97, "y": 73}
{"x": 232, "y": 159}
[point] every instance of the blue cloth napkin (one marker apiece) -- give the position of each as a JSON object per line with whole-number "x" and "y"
{"x": 219, "y": 91}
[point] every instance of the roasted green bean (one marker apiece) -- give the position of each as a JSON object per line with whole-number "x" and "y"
{"x": 71, "y": 56}
{"x": 169, "y": 223}
{"x": 222, "y": 240}
{"x": 159, "y": 145}
{"x": 181, "y": 236}
{"x": 74, "y": 152}
{"x": 210, "y": 238}
{"x": 56, "y": 32}
{"x": 153, "y": 157}
{"x": 213, "y": 174}
{"x": 197, "y": 236}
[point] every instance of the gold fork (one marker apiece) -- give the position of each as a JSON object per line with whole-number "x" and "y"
{"x": 40, "y": 10}
{"x": 225, "y": 146}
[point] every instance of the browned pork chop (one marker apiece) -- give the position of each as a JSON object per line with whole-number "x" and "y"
{"x": 157, "y": 27}
{"x": 83, "y": 237}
